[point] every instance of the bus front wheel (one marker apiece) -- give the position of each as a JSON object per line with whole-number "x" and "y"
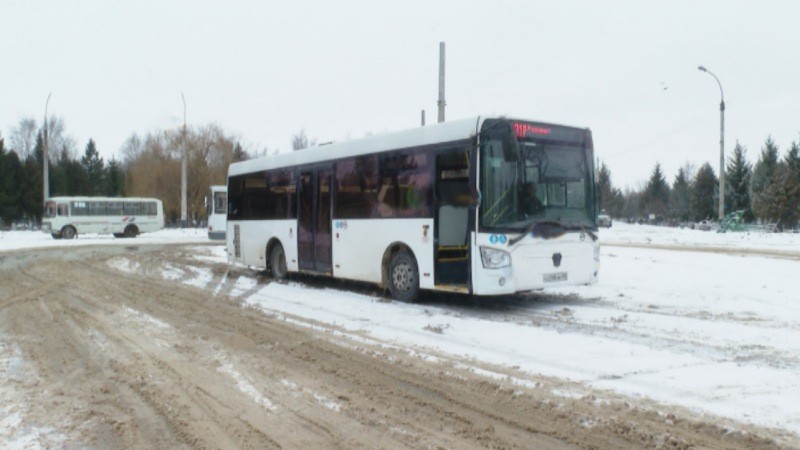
{"x": 68, "y": 232}
{"x": 277, "y": 262}
{"x": 403, "y": 277}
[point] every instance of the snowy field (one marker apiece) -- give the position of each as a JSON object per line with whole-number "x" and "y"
{"x": 702, "y": 320}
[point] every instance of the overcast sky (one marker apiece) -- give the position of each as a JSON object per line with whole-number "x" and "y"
{"x": 264, "y": 70}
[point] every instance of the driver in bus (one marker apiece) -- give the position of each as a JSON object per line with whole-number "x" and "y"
{"x": 530, "y": 201}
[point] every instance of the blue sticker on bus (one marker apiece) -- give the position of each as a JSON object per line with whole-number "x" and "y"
{"x": 498, "y": 239}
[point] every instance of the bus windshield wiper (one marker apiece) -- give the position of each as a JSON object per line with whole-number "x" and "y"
{"x": 549, "y": 230}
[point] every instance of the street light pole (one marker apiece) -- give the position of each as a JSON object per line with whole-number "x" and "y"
{"x": 721, "y": 144}
{"x": 184, "y": 165}
{"x": 45, "y": 157}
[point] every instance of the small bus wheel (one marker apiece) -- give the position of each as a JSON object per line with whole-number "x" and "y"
{"x": 68, "y": 232}
{"x": 403, "y": 277}
{"x": 277, "y": 262}
{"x": 131, "y": 231}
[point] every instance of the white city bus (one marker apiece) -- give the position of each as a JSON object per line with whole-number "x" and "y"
{"x": 67, "y": 217}
{"x": 484, "y": 206}
{"x": 217, "y": 208}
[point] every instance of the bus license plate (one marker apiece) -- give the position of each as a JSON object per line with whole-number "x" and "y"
{"x": 555, "y": 277}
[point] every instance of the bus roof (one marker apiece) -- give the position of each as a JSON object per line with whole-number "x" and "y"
{"x": 415, "y": 137}
{"x": 67, "y": 198}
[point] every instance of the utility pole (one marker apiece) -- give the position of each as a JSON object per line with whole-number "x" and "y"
{"x": 441, "y": 102}
{"x": 184, "y": 164}
{"x": 45, "y": 157}
{"x": 423, "y": 117}
{"x": 721, "y": 211}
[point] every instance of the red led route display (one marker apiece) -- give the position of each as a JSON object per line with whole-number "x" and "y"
{"x": 523, "y": 129}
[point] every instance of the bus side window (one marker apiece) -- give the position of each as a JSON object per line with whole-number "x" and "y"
{"x": 63, "y": 209}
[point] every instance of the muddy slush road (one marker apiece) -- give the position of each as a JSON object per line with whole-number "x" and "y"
{"x": 100, "y": 358}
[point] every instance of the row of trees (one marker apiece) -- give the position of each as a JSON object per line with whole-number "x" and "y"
{"x": 150, "y": 167}
{"x": 768, "y": 191}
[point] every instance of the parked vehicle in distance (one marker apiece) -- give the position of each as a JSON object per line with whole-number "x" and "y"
{"x": 603, "y": 220}
{"x": 705, "y": 225}
{"x": 217, "y": 208}
{"x": 67, "y": 217}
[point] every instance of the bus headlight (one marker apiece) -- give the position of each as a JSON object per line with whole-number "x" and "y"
{"x": 495, "y": 259}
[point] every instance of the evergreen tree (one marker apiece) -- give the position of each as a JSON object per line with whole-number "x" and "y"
{"x": 780, "y": 203}
{"x": 793, "y": 159}
{"x": 239, "y": 154}
{"x": 656, "y": 194}
{"x": 761, "y": 178}
{"x": 115, "y": 179}
{"x": 704, "y": 194}
{"x": 737, "y": 182}
{"x": 7, "y": 197}
{"x": 604, "y": 189}
{"x": 31, "y": 187}
{"x": 94, "y": 168}
{"x": 680, "y": 196}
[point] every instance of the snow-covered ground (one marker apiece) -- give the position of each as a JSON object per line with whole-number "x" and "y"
{"x": 678, "y": 319}
{"x": 15, "y": 240}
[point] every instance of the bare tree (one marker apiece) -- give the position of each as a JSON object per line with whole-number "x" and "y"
{"x": 301, "y": 141}
{"x": 23, "y": 137}
{"x": 152, "y": 165}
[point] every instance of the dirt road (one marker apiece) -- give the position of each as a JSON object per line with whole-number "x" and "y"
{"x": 96, "y": 357}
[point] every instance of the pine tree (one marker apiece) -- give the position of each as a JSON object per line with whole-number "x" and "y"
{"x": 780, "y": 201}
{"x": 656, "y": 194}
{"x": 680, "y": 196}
{"x": 704, "y": 198}
{"x": 605, "y": 191}
{"x": 762, "y": 176}
{"x": 31, "y": 187}
{"x": 115, "y": 179}
{"x": 7, "y": 198}
{"x": 793, "y": 159}
{"x": 737, "y": 182}
{"x": 94, "y": 167}
{"x": 239, "y": 154}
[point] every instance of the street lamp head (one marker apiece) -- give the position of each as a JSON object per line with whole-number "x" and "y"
{"x": 702, "y": 68}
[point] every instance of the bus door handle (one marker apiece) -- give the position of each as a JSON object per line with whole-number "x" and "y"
{"x": 425, "y": 230}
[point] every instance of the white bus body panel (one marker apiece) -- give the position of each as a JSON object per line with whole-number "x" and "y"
{"x": 532, "y": 262}
{"x": 360, "y": 244}
{"x": 257, "y": 233}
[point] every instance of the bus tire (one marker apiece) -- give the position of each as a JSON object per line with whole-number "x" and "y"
{"x": 403, "y": 277}
{"x": 131, "y": 231}
{"x": 277, "y": 261}
{"x": 68, "y": 232}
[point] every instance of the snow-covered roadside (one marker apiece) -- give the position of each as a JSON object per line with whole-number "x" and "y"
{"x": 16, "y": 240}
{"x": 718, "y": 333}
{"x": 715, "y": 332}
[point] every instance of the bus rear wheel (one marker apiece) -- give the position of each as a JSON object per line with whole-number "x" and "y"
{"x": 403, "y": 277}
{"x": 131, "y": 231}
{"x": 277, "y": 262}
{"x": 68, "y": 232}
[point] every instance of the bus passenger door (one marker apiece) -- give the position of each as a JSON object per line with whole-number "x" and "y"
{"x": 314, "y": 221}
{"x": 453, "y": 201}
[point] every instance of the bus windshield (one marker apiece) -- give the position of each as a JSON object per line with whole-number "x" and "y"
{"x": 528, "y": 179}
